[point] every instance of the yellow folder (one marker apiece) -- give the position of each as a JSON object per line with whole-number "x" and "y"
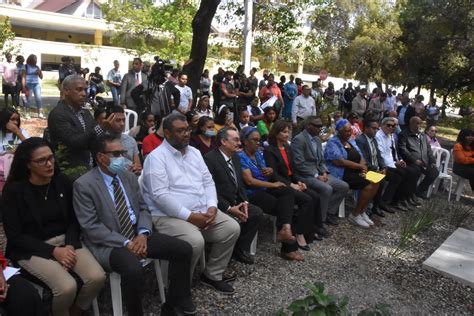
{"x": 374, "y": 177}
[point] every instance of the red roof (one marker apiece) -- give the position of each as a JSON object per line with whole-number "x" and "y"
{"x": 54, "y": 5}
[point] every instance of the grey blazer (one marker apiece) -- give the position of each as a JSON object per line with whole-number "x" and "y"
{"x": 128, "y": 84}
{"x": 95, "y": 211}
{"x": 307, "y": 161}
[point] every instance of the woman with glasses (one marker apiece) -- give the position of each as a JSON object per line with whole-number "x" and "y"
{"x": 346, "y": 162}
{"x": 42, "y": 230}
{"x": 274, "y": 197}
{"x": 430, "y": 133}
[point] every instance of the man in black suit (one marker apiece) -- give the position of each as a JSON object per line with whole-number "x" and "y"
{"x": 224, "y": 165}
{"x": 370, "y": 149}
{"x": 405, "y": 112}
{"x": 73, "y": 127}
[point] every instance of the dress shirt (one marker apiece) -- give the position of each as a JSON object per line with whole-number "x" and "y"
{"x": 177, "y": 185}
{"x": 302, "y": 107}
{"x": 9, "y": 73}
{"x": 373, "y": 152}
{"x": 389, "y": 104}
{"x": 401, "y": 115}
{"x": 110, "y": 187}
{"x": 186, "y": 95}
{"x": 384, "y": 142}
{"x": 138, "y": 78}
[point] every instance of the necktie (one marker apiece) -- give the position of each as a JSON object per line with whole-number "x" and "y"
{"x": 232, "y": 171}
{"x": 137, "y": 79}
{"x": 126, "y": 227}
{"x": 394, "y": 150}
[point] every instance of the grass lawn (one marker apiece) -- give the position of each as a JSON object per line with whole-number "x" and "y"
{"x": 447, "y": 132}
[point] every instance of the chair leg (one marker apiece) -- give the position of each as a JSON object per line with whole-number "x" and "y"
{"x": 342, "y": 208}
{"x": 253, "y": 245}
{"x": 274, "y": 221}
{"x": 95, "y": 307}
{"x": 159, "y": 278}
{"x": 450, "y": 189}
{"x": 116, "y": 293}
{"x": 202, "y": 261}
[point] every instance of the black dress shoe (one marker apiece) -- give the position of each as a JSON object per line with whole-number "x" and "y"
{"x": 413, "y": 201}
{"x": 243, "y": 256}
{"x": 376, "y": 211}
{"x": 407, "y": 206}
{"x": 168, "y": 310}
{"x": 323, "y": 232}
{"x": 305, "y": 247}
{"x": 187, "y": 306}
{"x": 229, "y": 276}
{"x": 332, "y": 220}
{"x": 318, "y": 237}
{"x": 386, "y": 208}
{"x": 220, "y": 286}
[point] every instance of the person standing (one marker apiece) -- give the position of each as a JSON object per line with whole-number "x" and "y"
{"x": 405, "y": 112}
{"x": 303, "y": 107}
{"x": 349, "y": 95}
{"x": 114, "y": 81}
{"x": 20, "y": 66}
{"x": 359, "y": 103}
{"x": 186, "y": 95}
{"x": 290, "y": 93}
{"x": 133, "y": 81}
{"x": 205, "y": 83}
{"x": 31, "y": 77}
{"x": 8, "y": 69}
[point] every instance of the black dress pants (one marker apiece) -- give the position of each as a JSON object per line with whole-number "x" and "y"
{"x": 391, "y": 183}
{"x": 465, "y": 171}
{"x": 22, "y": 299}
{"x": 249, "y": 228}
{"x": 407, "y": 187}
{"x": 431, "y": 173}
{"x": 159, "y": 246}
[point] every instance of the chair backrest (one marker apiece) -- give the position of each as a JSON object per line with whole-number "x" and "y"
{"x": 130, "y": 116}
{"x": 442, "y": 157}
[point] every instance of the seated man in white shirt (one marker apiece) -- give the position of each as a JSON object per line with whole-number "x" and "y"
{"x": 182, "y": 198}
{"x": 303, "y": 107}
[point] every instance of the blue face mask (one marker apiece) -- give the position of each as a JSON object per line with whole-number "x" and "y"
{"x": 210, "y": 133}
{"x": 117, "y": 164}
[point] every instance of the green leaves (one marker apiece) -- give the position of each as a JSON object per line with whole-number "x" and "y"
{"x": 6, "y": 33}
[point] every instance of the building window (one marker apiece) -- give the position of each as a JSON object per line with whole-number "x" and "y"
{"x": 93, "y": 11}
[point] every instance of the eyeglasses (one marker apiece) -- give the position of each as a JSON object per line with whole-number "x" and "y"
{"x": 390, "y": 125}
{"x": 44, "y": 161}
{"x": 184, "y": 130}
{"x": 116, "y": 153}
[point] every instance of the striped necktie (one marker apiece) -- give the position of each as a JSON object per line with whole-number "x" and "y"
{"x": 126, "y": 227}
{"x": 232, "y": 171}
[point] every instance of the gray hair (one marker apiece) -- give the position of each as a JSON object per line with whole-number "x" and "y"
{"x": 170, "y": 119}
{"x": 388, "y": 119}
{"x": 69, "y": 80}
{"x": 223, "y": 134}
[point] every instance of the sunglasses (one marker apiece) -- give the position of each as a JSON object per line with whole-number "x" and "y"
{"x": 116, "y": 153}
{"x": 390, "y": 125}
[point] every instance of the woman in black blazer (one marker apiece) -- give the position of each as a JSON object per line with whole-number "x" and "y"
{"x": 279, "y": 157}
{"x": 42, "y": 230}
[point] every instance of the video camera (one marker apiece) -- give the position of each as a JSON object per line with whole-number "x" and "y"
{"x": 159, "y": 69}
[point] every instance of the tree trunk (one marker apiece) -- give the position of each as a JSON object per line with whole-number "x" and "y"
{"x": 418, "y": 91}
{"x": 443, "y": 105}
{"x": 201, "y": 30}
{"x": 432, "y": 93}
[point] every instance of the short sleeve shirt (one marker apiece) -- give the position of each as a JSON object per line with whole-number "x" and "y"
{"x": 255, "y": 165}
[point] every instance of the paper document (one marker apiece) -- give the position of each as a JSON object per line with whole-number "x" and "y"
{"x": 374, "y": 177}
{"x": 9, "y": 272}
{"x": 269, "y": 102}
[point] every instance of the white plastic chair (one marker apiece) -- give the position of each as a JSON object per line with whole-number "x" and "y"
{"x": 130, "y": 115}
{"x": 442, "y": 162}
{"x": 460, "y": 184}
{"x": 116, "y": 290}
{"x": 342, "y": 208}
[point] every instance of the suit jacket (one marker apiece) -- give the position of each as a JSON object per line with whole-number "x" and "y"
{"x": 413, "y": 147}
{"x": 364, "y": 146}
{"x": 96, "y": 213}
{"x": 227, "y": 194}
{"x": 128, "y": 84}
{"x": 23, "y": 223}
{"x": 307, "y": 161}
{"x": 274, "y": 160}
{"x": 409, "y": 113}
{"x": 66, "y": 129}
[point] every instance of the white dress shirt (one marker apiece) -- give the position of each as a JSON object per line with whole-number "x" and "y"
{"x": 176, "y": 185}
{"x": 302, "y": 107}
{"x": 384, "y": 142}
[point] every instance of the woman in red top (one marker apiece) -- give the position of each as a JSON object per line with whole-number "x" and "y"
{"x": 463, "y": 153}
{"x": 278, "y": 156}
{"x": 153, "y": 140}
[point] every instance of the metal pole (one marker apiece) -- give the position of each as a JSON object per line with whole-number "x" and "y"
{"x": 247, "y": 35}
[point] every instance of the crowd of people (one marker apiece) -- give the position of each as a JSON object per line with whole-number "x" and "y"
{"x": 203, "y": 174}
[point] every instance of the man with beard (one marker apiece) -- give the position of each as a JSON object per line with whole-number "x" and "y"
{"x": 178, "y": 188}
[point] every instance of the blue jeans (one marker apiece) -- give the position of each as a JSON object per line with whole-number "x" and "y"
{"x": 36, "y": 89}
{"x": 115, "y": 94}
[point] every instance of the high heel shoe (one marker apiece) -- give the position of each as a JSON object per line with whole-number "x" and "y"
{"x": 304, "y": 248}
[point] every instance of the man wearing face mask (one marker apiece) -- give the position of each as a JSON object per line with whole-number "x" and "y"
{"x": 117, "y": 229}
{"x": 181, "y": 195}
{"x": 417, "y": 153}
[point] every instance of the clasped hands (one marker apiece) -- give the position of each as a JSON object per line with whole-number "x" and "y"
{"x": 240, "y": 211}
{"x": 66, "y": 256}
{"x": 203, "y": 220}
{"x": 138, "y": 246}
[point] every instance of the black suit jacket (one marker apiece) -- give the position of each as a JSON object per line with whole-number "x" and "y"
{"x": 23, "y": 224}
{"x": 274, "y": 160}
{"x": 66, "y": 129}
{"x": 227, "y": 193}
{"x": 409, "y": 113}
{"x": 364, "y": 146}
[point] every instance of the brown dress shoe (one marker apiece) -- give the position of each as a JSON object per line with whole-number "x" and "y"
{"x": 292, "y": 256}
{"x": 285, "y": 235}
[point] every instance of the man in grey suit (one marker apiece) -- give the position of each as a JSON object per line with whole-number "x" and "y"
{"x": 117, "y": 229}
{"x": 134, "y": 80}
{"x": 311, "y": 169}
